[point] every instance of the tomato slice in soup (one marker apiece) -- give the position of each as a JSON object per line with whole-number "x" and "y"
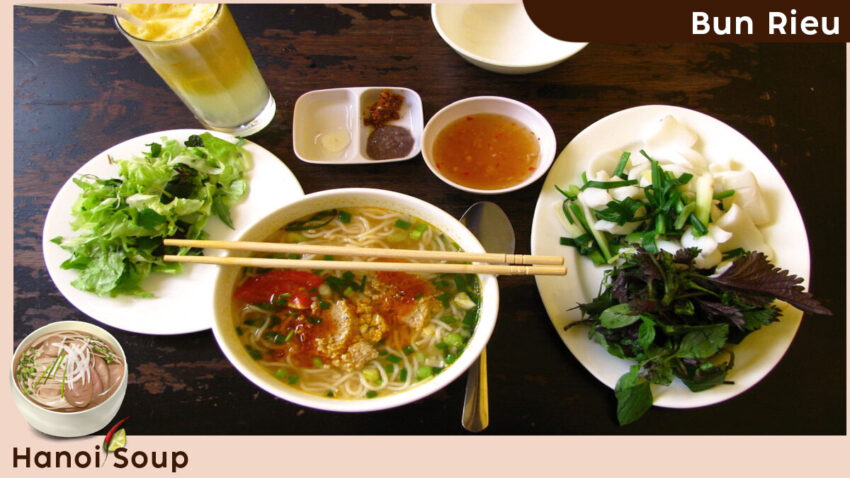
{"x": 300, "y": 285}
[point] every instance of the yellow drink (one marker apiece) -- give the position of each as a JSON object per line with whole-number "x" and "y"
{"x": 198, "y": 50}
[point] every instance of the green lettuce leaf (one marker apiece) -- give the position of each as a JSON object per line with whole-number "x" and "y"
{"x": 170, "y": 190}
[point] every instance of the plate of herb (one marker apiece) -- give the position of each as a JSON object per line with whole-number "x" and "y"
{"x": 102, "y": 239}
{"x": 673, "y": 275}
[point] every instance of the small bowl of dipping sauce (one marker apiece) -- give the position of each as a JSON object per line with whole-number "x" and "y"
{"x": 363, "y": 125}
{"x": 488, "y": 144}
{"x": 69, "y": 378}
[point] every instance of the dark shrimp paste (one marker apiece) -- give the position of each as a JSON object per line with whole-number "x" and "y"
{"x": 389, "y": 142}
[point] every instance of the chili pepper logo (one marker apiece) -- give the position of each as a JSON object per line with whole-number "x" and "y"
{"x": 116, "y": 438}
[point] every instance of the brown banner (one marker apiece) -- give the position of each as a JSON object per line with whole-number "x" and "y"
{"x": 716, "y": 20}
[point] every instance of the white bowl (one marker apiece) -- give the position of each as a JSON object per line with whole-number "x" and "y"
{"x": 499, "y": 37}
{"x": 521, "y": 112}
{"x": 69, "y": 424}
{"x": 228, "y": 340}
{"x": 341, "y": 110}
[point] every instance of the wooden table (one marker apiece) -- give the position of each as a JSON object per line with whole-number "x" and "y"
{"x": 81, "y": 88}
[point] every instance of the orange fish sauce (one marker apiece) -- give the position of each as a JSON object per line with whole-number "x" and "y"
{"x": 486, "y": 151}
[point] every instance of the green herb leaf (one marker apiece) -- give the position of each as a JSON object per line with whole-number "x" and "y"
{"x": 618, "y": 316}
{"x": 634, "y": 396}
{"x": 703, "y": 342}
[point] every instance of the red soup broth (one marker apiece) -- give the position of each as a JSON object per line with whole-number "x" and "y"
{"x": 486, "y": 151}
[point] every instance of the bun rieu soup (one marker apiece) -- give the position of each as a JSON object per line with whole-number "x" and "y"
{"x": 68, "y": 371}
{"x": 356, "y": 335}
{"x": 486, "y": 151}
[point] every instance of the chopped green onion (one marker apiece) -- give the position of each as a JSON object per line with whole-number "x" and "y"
{"x": 371, "y": 394}
{"x": 453, "y": 340}
{"x": 699, "y": 227}
{"x": 734, "y": 253}
{"x": 281, "y": 374}
{"x": 344, "y": 217}
{"x": 471, "y": 317}
{"x": 402, "y": 375}
{"x": 289, "y": 335}
{"x": 324, "y": 305}
{"x": 686, "y": 211}
{"x": 571, "y": 193}
{"x": 448, "y": 319}
{"x": 394, "y": 358}
{"x": 407, "y": 350}
{"x": 402, "y": 224}
{"x": 424, "y": 372}
{"x": 417, "y": 231}
{"x": 609, "y": 184}
{"x": 293, "y": 379}
{"x": 460, "y": 282}
{"x": 724, "y": 194}
{"x": 317, "y": 362}
{"x": 565, "y": 208}
{"x": 254, "y": 353}
{"x": 621, "y": 165}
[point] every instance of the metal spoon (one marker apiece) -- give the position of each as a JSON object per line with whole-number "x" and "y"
{"x": 489, "y": 223}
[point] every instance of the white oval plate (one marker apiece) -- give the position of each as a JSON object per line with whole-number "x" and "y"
{"x": 182, "y": 303}
{"x": 756, "y": 356}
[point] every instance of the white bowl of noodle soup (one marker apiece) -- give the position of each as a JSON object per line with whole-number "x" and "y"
{"x": 62, "y": 420}
{"x": 230, "y": 327}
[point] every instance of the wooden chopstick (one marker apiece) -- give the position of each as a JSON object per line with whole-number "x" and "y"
{"x": 522, "y": 259}
{"x": 263, "y": 262}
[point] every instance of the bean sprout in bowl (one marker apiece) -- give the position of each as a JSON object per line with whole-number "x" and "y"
{"x": 69, "y": 378}
{"x": 355, "y": 341}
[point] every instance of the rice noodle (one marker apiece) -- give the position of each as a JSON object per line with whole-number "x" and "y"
{"x": 62, "y": 362}
{"x": 368, "y": 227}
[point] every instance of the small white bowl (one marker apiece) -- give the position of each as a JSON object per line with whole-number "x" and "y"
{"x": 228, "y": 340}
{"x": 521, "y": 112}
{"x": 69, "y": 424}
{"x": 321, "y": 114}
{"x": 499, "y": 37}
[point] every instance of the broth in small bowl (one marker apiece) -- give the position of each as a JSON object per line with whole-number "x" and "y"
{"x": 69, "y": 378}
{"x": 355, "y": 341}
{"x": 488, "y": 145}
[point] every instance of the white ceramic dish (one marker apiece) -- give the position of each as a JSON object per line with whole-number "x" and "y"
{"x": 224, "y": 327}
{"x": 181, "y": 302}
{"x": 492, "y": 105}
{"x": 499, "y": 37}
{"x": 756, "y": 356}
{"x": 69, "y": 424}
{"x": 321, "y": 114}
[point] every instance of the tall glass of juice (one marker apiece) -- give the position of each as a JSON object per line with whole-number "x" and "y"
{"x": 199, "y": 52}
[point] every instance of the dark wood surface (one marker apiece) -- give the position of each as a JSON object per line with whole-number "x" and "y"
{"x": 81, "y": 88}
